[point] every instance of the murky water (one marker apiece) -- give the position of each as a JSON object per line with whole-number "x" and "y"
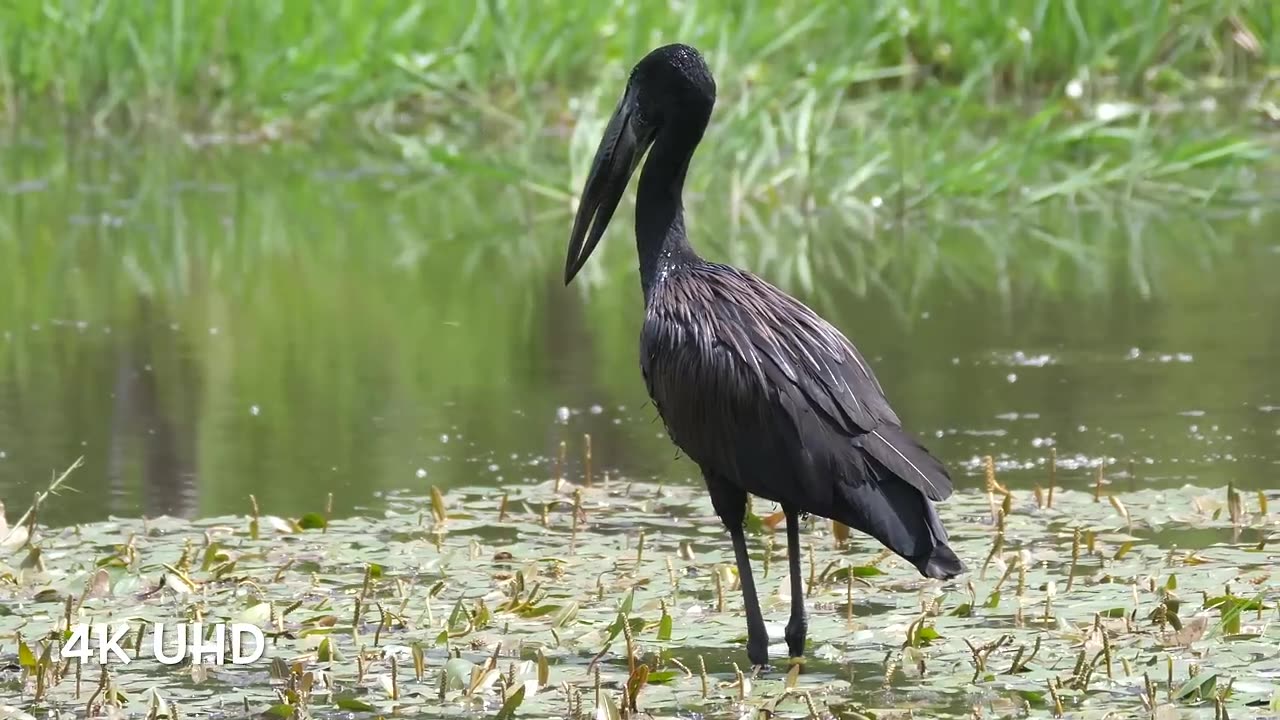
{"x": 205, "y": 325}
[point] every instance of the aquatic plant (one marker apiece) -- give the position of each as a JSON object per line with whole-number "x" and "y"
{"x": 600, "y": 596}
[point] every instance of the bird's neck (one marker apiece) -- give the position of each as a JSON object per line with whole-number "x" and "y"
{"x": 661, "y": 241}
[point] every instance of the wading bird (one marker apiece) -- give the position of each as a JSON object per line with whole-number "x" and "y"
{"x": 757, "y": 389}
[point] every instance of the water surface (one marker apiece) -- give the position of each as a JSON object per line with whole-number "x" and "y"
{"x": 202, "y": 325}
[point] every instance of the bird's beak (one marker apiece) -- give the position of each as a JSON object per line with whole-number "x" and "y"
{"x": 616, "y": 159}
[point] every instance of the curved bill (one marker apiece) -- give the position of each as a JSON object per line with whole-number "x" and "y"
{"x": 616, "y": 159}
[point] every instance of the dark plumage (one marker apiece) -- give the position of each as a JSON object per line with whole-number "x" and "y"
{"x": 757, "y": 389}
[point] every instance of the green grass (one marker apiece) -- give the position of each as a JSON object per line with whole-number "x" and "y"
{"x": 225, "y": 62}
{"x": 871, "y": 121}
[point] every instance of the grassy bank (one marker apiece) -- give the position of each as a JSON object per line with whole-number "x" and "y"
{"x": 873, "y": 120}
{"x": 225, "y": 64}
{"x": 897, "y": 144}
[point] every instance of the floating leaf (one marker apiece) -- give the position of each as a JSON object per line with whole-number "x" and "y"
{"x": 312, "y": 521}
{"x": 793, "y": 676}
{"x": 508, "y": 709}
{"x": 419, "y": 660}
{"x": 256, "y": 614}
{"x": 772, "y": 520}
{"x": 9, "y": 712}
{"x": 26, "y": 658}
{"x": 1230, "y": 607}
{"x": 458, "y": 672}
{"x": 857, "y": 571}
{"x": 1123, "y": 549}
{"x": 540, "y": 610}
{"x": 353, "y": 703}
{"x": 926, "y": 635}
{"x": 98, "y": 585}
{"x": 1035, "y": 697}
{"x": 1198, "y": 685}
{"x": 607, "y": 709}
{"x": 566, "y": 615}
{"x": 327, "y": 651}
{"x": 544, "y": 669}
{"x": 437, "y": 505}
{"x": 661, "y": 677}
{"x": 840, "y": 531}
{"x": 33, "y": 560}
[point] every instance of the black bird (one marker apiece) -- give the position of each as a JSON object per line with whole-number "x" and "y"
{"x": 757, "y": 389}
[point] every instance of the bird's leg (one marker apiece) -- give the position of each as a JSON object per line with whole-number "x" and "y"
{"x": 757, "y": 636}
{"x": 730, "y": 503}
{"x": 798, "y": 625}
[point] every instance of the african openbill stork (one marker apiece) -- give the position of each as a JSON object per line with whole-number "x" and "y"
{"x": 757, "y": 389}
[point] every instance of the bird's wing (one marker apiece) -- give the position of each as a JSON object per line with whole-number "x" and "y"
{"x": 793, "y": 350}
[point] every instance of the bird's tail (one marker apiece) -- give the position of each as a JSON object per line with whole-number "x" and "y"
{"x": 942, "y": 563}
{"x": 901, "y": 518}
{"x": 905, "y": 458}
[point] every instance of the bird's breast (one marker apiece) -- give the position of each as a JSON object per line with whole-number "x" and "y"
{"x": 700, "y": 387}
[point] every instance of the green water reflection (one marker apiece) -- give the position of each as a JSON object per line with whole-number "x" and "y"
{"x": 205, "y": 324}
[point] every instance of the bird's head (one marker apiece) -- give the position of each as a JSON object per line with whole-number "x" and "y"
{"x": 671, "y": 81}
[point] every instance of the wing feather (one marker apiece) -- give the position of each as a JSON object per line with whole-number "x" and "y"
{"x": 792, "y": 350}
